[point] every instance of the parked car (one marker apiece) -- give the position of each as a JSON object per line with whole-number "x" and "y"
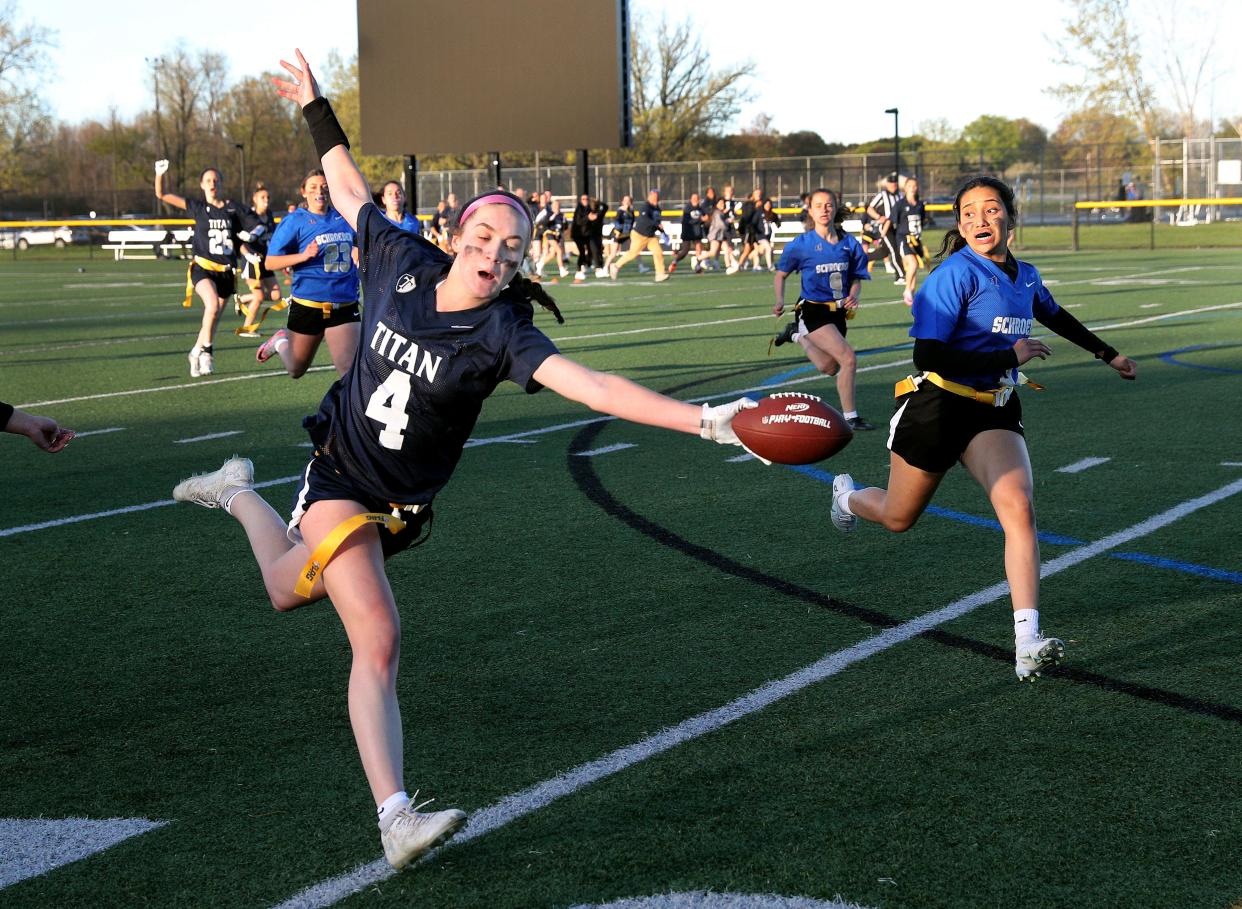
{"x": 26, "y": 237}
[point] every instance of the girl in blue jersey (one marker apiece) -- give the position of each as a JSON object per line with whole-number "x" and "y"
{"x": 318, "y": 244}
{"x": 833, "y": 266}
{"x": 392, "y": 194}
{"x": 972, "y": 325}
{"x": 442, "y": 333}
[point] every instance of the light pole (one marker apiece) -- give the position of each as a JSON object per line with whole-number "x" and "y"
{"x": 896, "y": 142}
{"x": 241, "y": 153}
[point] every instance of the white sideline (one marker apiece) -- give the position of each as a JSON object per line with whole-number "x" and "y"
{"x": 1084, "y": 464}
{"x": 542, "y": 794}
{"x": 210, "y": 435}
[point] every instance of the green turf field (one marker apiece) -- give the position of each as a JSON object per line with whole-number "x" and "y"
{"x": 595, "y": 593}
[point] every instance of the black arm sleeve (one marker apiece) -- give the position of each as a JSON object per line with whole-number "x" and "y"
{"x": 324, "y": 128}
{"x": 1067, "y": 326}
{"x": 6, "y": 414}
{"x": 931, "y": 355}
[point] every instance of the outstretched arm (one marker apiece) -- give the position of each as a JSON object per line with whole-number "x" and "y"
{"x": 349, "y": 188}
{"x": 176, "y": 201}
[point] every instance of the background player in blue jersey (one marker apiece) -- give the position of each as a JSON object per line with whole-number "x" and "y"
{"x": 392, "y": 195}
{"x": 218, "y": 233}
{"x": 833, "y": 266}
{"x": 441, "y": 334}
{"x": 318, "y": 244}
{"x": 972, "y": 325}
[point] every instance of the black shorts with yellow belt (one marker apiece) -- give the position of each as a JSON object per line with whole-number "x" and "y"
{"x": 223, "y": 280}
{"x": 931, "y": 427}
{"x": 324, "y": 481}
{"x": 313, "y": 318}
{"x": 254, "y": 271}
{"x": 815, "y": 315}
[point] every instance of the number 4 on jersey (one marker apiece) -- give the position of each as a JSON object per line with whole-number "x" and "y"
{"x": 387, "y": 406}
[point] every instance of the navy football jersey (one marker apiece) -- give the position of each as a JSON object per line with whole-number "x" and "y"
{"x": 215, "y": 230}
{"x": 909, "y": 218}
{"x": 648, "y": 223}
{"x": 398, "y": 420}
{"x": 260, "y": 228}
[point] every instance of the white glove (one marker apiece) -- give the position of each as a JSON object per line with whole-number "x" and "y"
{"x": 253, "y": 258}
{"x": 717, "y": 424}
{"x": 161, "y": 167}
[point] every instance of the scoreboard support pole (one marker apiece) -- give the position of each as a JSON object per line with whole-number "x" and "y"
{"x": 584, "y": 173}
{"x": 497, "y": 177}
{"x": 410, "y": 175}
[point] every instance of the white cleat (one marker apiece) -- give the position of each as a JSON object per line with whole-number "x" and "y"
{"x": 662, "y": 276}
{"x": 212, "y": 490}
{"x": 732, "y": 269}
{"x": 1034, "y": 656}
{"x": 413, "y": 834}
{"x": 843, "y": 485}
{"x": 194, "y": 357}
{"x": 206, "y": 364}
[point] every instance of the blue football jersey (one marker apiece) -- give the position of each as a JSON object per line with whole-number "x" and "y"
{"x": 408, "y": 223}
{"x": 398, "y": 420}
{"x": 330, "y": 277}
{"x": 969, "y": 303}
{"x": 827, "y": 269}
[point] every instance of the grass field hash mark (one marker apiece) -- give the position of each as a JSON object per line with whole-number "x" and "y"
{"x": 532, "y": 799}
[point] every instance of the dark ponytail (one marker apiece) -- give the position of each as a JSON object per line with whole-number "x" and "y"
{"x": 953, "y": 239}
{"x": 533, "y": 292}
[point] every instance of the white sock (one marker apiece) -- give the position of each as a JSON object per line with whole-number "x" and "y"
{"x": 387, "y": 812}
{"x": 843, "y": 501}
{"x": 232, "y": 494}
{"x": 1025, "y": 625}
{"x": 280, "y": 343}
{"x": 850, "y": 414}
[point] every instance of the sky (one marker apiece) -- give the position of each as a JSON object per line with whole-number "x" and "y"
{"x": 817, "y": 69}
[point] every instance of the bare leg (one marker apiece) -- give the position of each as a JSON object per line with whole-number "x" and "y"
{"x": 898, "y": 507}
{"x": 343, "y": 344}
{"x": 998, "y": 460}
{"x": 212, "y": 305}
{"x": 832, "y": 355}
{"x": 280, "y": 561}
{"x": 299, "y": 353}
{"x": 363, "y": 599}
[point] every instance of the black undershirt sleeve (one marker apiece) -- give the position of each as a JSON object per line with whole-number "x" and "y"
{"x": 1064, "y": 323}
{"x": 6, "y": 414}
{"x": 931, "y": 355}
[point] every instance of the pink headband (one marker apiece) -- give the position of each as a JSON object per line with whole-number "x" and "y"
{"x": 495, "y": 199}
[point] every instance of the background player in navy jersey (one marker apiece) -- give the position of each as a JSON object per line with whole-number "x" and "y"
{"x": 218, "y": 232}
{"x": 260, "y": 225}
{"x": 691, "y": 234}
{"x": 441, "y": 334}
{"x": 553, "y": 230}
{"x": 909, "y": 215}
{"x": 618, "y": 232}
{"x": 318, "y": 244}
{"x": 392, "y": 196}
{"x": 833, "y": 266}
{"x": 972, "y": 324}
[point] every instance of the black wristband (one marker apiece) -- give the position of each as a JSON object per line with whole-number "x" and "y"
{"x": 325, "y": 130}
{"x": 1108, "y": 354}
{"x": 6, "y": 414}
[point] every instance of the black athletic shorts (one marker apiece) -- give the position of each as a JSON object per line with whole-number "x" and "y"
{"x": 816, "y": 315}
{"x": 932, "y": 427}
{"x": 223, "y": 280}
{"x": 323, "y": 481}
{"x": 253, "y": 272}
{"x": 906, "y": 248}
{"x": 309, "y": 320}
{"x": 750, "y": 235}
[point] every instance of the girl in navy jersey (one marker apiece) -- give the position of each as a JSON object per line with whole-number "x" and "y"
{"x": 218, "y": 232}
{"x": 260, "y": 224}
{"x": 318, "y": 244}
{"x": 909, "y": 216}
{"x": 832, "y": 266}
{"x": 972, "y": 324}
{"x": 440, "y": 334}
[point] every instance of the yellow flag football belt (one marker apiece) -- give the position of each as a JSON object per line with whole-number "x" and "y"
{"x": 331, "y": 543}
{"x": 189, "y": 280}
{"x": 325, "y": 308}
{"x": 996, "y": 397}
{"x": 832, "y": 305}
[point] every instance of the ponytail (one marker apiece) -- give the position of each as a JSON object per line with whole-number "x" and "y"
{"x": 532, "y": 292}
{"x": 953, "y": 241}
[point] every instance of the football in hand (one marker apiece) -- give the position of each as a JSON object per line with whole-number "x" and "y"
{"x": 792, "y": 428}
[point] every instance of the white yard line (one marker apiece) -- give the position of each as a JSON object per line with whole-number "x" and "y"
{"x": 607, "y": 449}
{"x": 98, "y": 432}
{"x": 530, "y": 800}
{"x": 213, "y": 435}
{"x": 76, "y": 345}
{"x": 1084, "y": 464}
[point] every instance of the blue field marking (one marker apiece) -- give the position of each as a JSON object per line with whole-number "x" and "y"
{"x": 1170, "y": 356}
{"x": 808, "y": 367}
{"x": 1054, "y": 539}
